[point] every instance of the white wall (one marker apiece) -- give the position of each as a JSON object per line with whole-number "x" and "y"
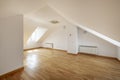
{"x": 58, "y": 37}
{"x": 11, "y": 43}
{"x": 104, "y": 48}
{"x": 35, "y": 45}
{"x": 64, "y": 38}
{"x": 118, "y": 53}
{"x": 72, "y": 39}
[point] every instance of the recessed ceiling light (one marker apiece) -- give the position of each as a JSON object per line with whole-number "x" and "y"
{"x": 54, "y": 21}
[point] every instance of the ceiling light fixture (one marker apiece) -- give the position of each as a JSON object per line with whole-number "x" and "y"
{"x": 54, "y": 21}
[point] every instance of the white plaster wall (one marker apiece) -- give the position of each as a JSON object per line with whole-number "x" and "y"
{"x": 72, "y": 39}
{"x": 35, "y": 45}
{"x": 118, "y": 53}
{"x": 11, "y": 43}
{"x": 64, "y": 38}
{"x": 58, "y": 37}
{"x": 104, "y": 48}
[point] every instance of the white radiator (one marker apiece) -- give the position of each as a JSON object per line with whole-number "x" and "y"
{"x": 48, "y": 45}
{"x": 88, "y": 49}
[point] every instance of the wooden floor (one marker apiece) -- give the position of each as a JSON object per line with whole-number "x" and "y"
{"x": 46, "y": 64}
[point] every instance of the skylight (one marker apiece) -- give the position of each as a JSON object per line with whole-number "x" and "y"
{"x": 36, "y": 35}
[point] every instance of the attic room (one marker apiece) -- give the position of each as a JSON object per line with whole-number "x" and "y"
{"x": 59, "y": 40}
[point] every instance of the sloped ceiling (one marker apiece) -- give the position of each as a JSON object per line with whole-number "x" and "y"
{"x": 11, "y": 7}
{"x": 42, "y": 18}
{"x": 102, "y": 16}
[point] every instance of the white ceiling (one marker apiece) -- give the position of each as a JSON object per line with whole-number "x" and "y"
{"x": 41, "y": 17}
{"x": 36, "y": 13}
{"x": 44, "y": 15}
{"x": 99, "y": 15}
{"x": 102, "y": 16}
{"x": 37, "y": 10}
{"x": 9, "y": 7}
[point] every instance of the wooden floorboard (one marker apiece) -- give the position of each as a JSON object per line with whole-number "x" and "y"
{"x": 47, "y": 64}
